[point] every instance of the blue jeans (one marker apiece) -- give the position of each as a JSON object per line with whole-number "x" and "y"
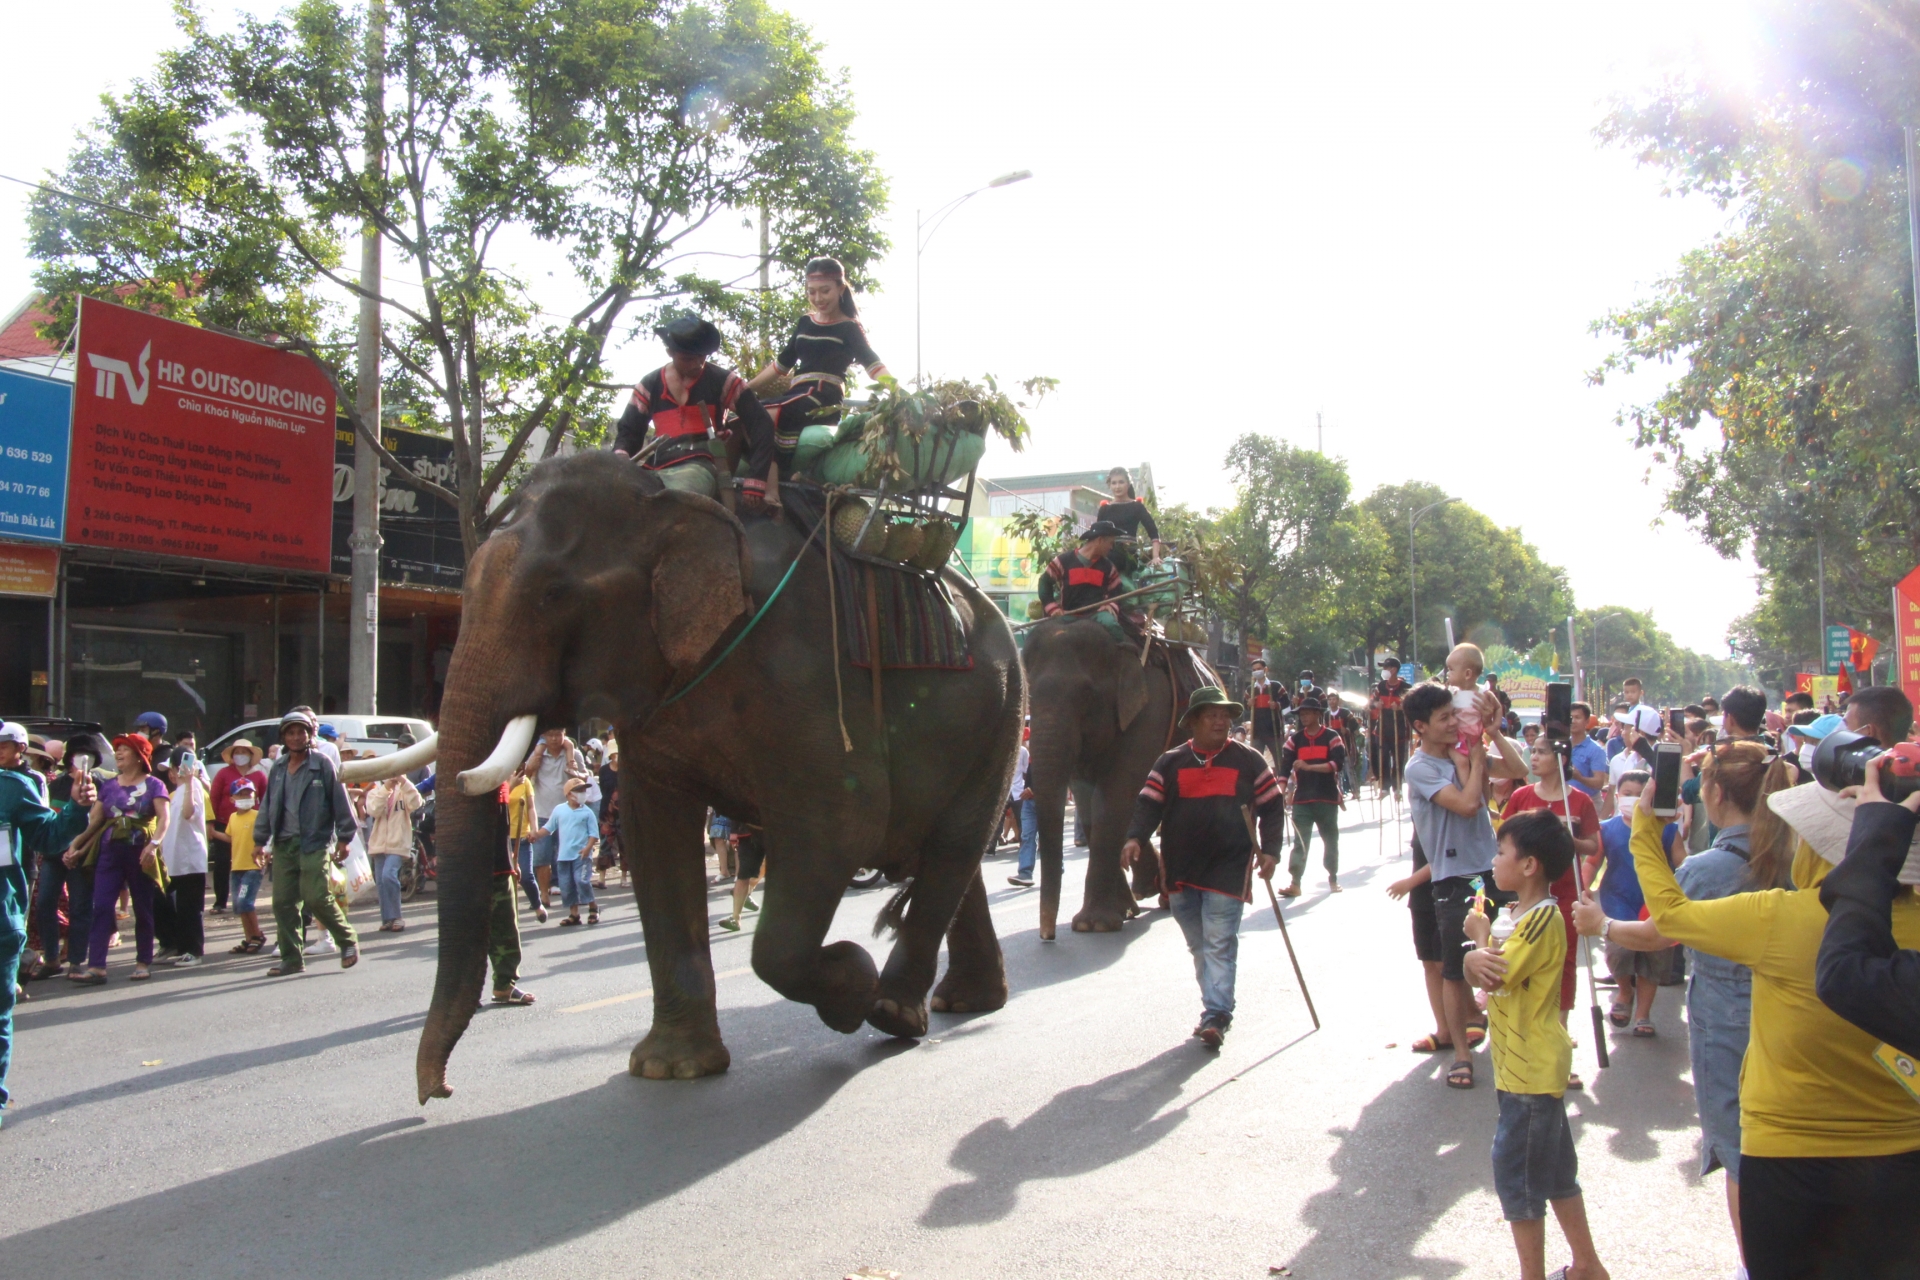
{"x": 46, "y": 908}
{"x": 546, "y": 850}
{"x": 1534, "y": 1161}
{"x": 1029, "y": 837}
{"x": 246, "y": 892}
{"x": 524, "y": 858}
{"x": 1211, "y": 923}
{"x": 13, "y": 940}
{"x": 576, "y": 881}
{"x": 386, "y": 877}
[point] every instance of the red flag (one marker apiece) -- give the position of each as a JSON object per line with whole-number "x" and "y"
{"x": 1861, "y": 649}
{"x": 1845, "y": 678}
{"x": 1803, "y": 682}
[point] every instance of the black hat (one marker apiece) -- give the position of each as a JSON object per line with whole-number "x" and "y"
{"x": 1101, "y": 529}
{"x": 689, "y": 335}
{"x": 1312, "y": 704}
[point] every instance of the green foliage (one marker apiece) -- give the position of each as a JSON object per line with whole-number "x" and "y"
{"x": 1617, "y": 642}
{"x": 613, "y": 128}
{"x": 1793, "y": 415}
{"x": 936, "y": 412}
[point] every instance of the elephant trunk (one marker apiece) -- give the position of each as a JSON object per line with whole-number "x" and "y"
{"x": 470, "y": 837}
{"x": 1054, "y": 752}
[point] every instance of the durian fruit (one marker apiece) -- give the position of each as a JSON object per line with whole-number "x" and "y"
{"x": 937, "y": 546}
{"x": 848, "y": 515}
{"x": 904, "y": 541}
{"x": 1036, "y": 610}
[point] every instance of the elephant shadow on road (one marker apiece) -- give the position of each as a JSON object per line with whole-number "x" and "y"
{"x": 1080, "y": 1129}
{"x": 419, "y": 1198}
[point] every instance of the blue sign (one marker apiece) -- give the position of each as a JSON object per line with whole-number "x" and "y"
{"x": 36, "y": 422}
{"x": 1406, "y": 672}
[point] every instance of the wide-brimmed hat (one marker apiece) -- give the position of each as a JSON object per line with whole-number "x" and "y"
{"x": 1211, "y": 695}
{"x": 239, "y": 744}
{"x": 1102, "y": 529}
{"x": 689, "y": 335}
{"x": 1312, "y": 704}
{"x": 1822, "y": 818}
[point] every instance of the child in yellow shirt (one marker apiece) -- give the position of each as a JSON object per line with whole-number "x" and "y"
{"x": 246, "y": 869}
{"x": 1518, "y": 962}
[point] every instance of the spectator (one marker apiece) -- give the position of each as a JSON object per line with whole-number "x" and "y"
{"x": 240, "y": 759}
{"x": 576, "y": 834}
{"x": 1882, "y": 713}
{"x": 57, "y": 872}
{"x": 1587, "y": 762}
{"x": 613, "y": 850}
{"x": 178, "y": 910}
{"x": 1640, "y": 728}
{"x": 236, "y": 837}
{"x": 1864, "y": 974}
{"x": 1637, "y": 974}
{"x": 1534, "y": 1161}
{"x": 520, "y": 833}
{"x": 1020, "y": 797}
{"x": 1633, "y": 692}
{"x": 1794, "y": 703}
{"x": 1450, "y": 816}
{"x": 1267, "y": 701}
{"x": 1616, "y": 733}
{"x": 1830, "y": 1140}
{"x": 554, "y": 762}
{"x": 328, "y": 744}
{"x": 306, "y": 810}
{"x": 390, "y": 807}
{"x": 503, "y": 924}
{"x": 749, "y": 863}
{"x": 124, "y": 830}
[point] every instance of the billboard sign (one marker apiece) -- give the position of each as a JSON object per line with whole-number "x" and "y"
{"x": 191, "y": 443}
{"x": 1839, "y": 648}
{"x": 29, "y": 570}
{"x": 420, "y": 536}
{"x": 35, "y": 416}
{"x": 1906, "y": 624}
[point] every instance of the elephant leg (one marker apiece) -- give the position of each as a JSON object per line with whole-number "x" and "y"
{"x": 976, "y": 980}
{"x": 1107, "y": 900}
{"x": 803, "y": 891}
{"x": 664, "y": 836}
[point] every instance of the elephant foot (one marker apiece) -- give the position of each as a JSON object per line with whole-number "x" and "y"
{"x": 1049, "y": 910}
{"x": 850, "y": 981}
{"x": 960, "y": 993}
{"x": 902, "y": 1018}
{"x": 677, "y": 1053}
{"x": 1099, "y": 920}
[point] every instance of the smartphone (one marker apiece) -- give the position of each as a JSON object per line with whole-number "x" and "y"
{"x": 1678, "y": 721}
{"x": 1666, "y": 778}
{"x": 1556, "y": 721}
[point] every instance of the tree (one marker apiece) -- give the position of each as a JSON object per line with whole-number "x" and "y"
{"x": 1489, "y": 580}
{"x": 613, "y": 128}
{"x": 1617, "y": 642}
{"x": 1792, "y": 422}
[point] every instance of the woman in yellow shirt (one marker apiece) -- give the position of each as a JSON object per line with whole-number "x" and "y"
{"x": 519, "y": 833}
{"x": 1829, "y": 1140}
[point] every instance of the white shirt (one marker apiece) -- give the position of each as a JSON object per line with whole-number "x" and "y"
{"x": 1624, "y": 763}
{"x": 184, "y": 848}
{"x": 327, "y": 749}
{"x": 1019, "y": 775}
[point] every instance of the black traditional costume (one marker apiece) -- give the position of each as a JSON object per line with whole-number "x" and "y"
{"x": 685, "y": 429}
{"x": 818, "y": 356}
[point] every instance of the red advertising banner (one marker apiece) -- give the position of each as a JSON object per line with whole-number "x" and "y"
{"x": 190, "y": 443}
{"x": 1906, "y": 621}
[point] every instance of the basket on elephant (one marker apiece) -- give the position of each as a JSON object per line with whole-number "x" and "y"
{"x": 1167, "y": 584}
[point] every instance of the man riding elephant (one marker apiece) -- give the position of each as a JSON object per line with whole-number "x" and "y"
{"x": 686, "y": 402}
{"x": 1076, "y": 580}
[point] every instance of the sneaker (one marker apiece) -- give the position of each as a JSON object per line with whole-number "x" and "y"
{"x": 1020, "y": 882}
{"x": 730, "y": 925}
{"x": 167, "y": 955}
{"x": 750, "y": 905}
{"x": 185, "y": 960}
{"x": 320, "y": 946}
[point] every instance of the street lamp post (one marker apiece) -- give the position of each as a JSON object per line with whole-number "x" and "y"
{"x": 1413, "y": 589}
{"x": 924, "y": 229}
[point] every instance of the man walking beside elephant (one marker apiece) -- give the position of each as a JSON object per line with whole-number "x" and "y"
{"x": 1203, "y": 797}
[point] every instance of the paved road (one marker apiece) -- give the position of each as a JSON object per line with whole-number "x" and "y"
{"x": 214, "y": 1124}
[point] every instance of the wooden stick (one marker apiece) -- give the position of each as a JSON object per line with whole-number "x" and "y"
{"x": 1301, "y": 978}
{"x": 873, "y": 652}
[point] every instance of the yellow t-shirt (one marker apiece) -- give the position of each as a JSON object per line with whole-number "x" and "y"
{"x": 1809, "y": 1085}
{"x": 240, "y": 831}
{"x": 1532, "y": 1052}
{"x": 519, "y": 802}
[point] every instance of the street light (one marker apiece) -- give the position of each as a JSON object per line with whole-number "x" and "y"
{"x": 1413, "y": 590}
{"x": 923, "y": 236}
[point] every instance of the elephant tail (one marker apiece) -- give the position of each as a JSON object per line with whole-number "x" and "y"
{"x": 894, "y": 914}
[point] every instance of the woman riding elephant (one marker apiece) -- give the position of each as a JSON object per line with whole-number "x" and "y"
{"x": 828, "y": 339}
{"x": 700, "y": 639}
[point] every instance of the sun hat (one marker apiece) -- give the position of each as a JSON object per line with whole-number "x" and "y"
{"x": 241, "y": 744}
{"x": 1101, "y": 529}
{"x": 1312, "y": 704}
{"x": 1211, "y": 695}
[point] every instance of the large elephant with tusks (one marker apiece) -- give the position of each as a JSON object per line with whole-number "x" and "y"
{"x": 605, "y": 596}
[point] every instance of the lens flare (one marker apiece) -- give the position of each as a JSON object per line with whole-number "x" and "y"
{"x": 1842, "y": 180}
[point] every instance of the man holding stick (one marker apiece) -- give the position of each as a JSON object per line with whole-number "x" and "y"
{"x": 1202, "y": 797}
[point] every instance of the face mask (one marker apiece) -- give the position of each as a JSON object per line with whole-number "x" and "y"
{"x": 1627, "y": 806}
{"x": 241, "y": 759}
{"x": 243, "y": 802}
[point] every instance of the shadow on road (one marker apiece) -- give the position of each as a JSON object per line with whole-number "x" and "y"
{"x": 1080, "y": 1129}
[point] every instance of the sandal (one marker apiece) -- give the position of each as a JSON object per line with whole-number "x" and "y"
{"x": 1643, "y": 1029}
{"x": 1475, "y": 1034}
{"x": 1431, "y": 1044}
{"x": 1574, "y": 1081}
{"x": 1461, "y": 1076}
{"x": 1291, "y": 891}
{"x": 514, "y": 996}
{"x": 244, "y": 947}
{"x": 281, "y": 970}
{"x": 571, "y": 922}
{"x": 1619, "y": 1015}
{"x": 88, "y": 979}
{"x": 140, "y": 973}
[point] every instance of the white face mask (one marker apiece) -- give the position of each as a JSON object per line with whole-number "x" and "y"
{"x": 243, "y": 802}
{"x": 1627, "y": 806}
{"x": 242, "y": 759}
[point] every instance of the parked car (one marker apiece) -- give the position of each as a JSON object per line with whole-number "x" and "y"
{"x": 77, "y": 734}
{"x": 380, "y": 734}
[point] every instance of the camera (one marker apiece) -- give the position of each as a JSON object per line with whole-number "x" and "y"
{"x": 1840, "y": 761}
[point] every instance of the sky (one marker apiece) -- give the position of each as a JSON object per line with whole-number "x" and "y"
{"x": 1392, "y": 219}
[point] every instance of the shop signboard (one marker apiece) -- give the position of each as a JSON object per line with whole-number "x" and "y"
{"x": 1906, "y": 617}
{"x": 191, "y": 443}
{"x": 1839, "y": 648}
{"x": 420, "y": 535}
{"x": 29, "y": 570}
{"x": 35, "y": 416}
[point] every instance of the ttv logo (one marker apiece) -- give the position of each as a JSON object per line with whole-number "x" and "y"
{"x": 106, "y": 369}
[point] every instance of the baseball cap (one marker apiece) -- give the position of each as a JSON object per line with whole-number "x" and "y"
{"x": 11, "y": 732}
{"x": 328, "y": 732}
{"x": 1643, "y": 717}
{"x": 1819, "y": 728}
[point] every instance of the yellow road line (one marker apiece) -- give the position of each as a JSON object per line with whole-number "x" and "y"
{"x": 642, "y": 994}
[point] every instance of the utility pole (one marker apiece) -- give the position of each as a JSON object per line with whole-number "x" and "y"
{"x": 363, "y": 613}
{"x": 1319, "y": 436}
{"x": 766, "y": 283}
{"x": 1820, "y": 575}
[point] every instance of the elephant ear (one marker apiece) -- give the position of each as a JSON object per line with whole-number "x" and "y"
{"x": 699, "y": 586}
{"x": 1130, "y": 685}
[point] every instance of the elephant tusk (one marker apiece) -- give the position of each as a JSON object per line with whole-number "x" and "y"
{"x": 394, "y": 763}
{"x": 515, "y": 741}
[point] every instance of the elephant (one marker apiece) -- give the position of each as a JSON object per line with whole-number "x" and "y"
{"x": 1100, "y": 718}
{"x": 606, "y": 595}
